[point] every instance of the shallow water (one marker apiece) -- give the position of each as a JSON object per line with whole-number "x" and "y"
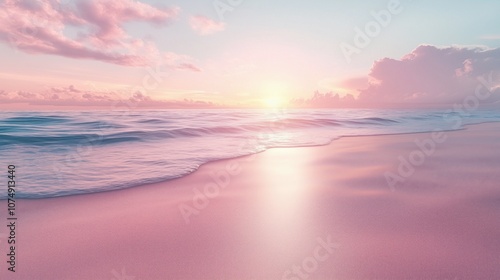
{"x": 65, "y": 153}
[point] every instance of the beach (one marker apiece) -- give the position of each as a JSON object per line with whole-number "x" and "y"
{"x": 325, "y": 212}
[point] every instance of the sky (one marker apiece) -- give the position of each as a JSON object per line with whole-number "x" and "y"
{"x": 242, "y": 53}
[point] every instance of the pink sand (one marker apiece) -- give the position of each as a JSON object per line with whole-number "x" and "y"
{"x": 442, "y": 223}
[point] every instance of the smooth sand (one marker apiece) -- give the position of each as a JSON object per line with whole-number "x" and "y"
{"x": 442, "y": 223}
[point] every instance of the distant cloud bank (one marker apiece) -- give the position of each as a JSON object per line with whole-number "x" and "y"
{"x": 72, "y": 97}
{"x": 433, "y": 75}
{"x": 429, "y": 75}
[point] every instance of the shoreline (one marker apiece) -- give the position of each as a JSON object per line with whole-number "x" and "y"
{"x": 464, "y": 127}
{"x": 268, "y": 214}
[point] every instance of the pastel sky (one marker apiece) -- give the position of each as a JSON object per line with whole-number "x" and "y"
{"x": 249, "y": 53}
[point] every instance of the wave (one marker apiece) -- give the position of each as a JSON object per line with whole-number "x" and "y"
{"x": 33, "y": 135}
{"x": 36, "y": 120}
{"x": 159, "y": 145}
{"x": 29, "y": 130}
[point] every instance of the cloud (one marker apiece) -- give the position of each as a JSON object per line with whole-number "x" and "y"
{"x": 205, "y": 26}
{"x": 180, "y": 62}
{"x": 42, "y": 27}
{"x": 188, "y": 66}
{"x": 73, "y": 97}
{"x": 355, "y": 82}
{"x": 25, "y": 95}
{"x": 431, "y": 74}
{"x": 108, "y": 16}
{"x": 324, "y": 100}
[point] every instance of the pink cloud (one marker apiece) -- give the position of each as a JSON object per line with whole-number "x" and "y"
{"x": 205, "y": 26}
{"x": 354, "y": 83}
{"x": 429, "y": 76}
{"x": 25, "y": 95}
{"x": 73, "y": 97}
{"x": 188, "y": 66}
{"x": 109, "y": 16}
{"x": 39, "y": 27}
{"x": 324, "y": 100}
{"x": 432, "y": 75}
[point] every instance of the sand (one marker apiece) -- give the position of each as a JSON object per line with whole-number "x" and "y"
{"x": 316, "y": 212}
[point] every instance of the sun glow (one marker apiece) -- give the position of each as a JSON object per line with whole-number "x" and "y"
{"x": 274, "y": 93}
{"x": 274, "y": 102}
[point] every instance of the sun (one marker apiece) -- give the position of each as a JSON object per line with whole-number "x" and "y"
{"x": 274, "y": 102}
{"x": 273, "y": 94}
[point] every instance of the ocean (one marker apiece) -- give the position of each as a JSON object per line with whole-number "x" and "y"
{"x": 68, "y": 153}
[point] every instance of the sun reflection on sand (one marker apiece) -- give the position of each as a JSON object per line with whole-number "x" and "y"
{"x": 285, "y": 204}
